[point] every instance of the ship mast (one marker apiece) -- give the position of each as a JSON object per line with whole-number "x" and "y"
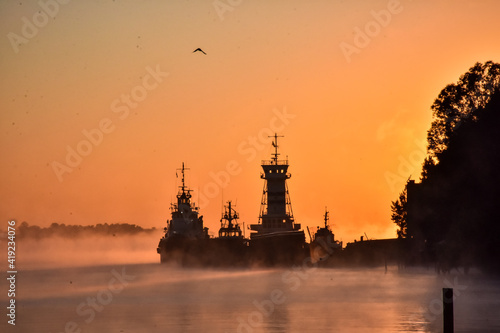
{"x": 229, "y": 216}
{"x": 230, "y": 229}
{"x": 275, "y": 145}
{"x": 183, "y": 186}
{"x": 184, "y": 195}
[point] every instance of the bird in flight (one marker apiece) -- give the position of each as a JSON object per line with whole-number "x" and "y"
{"x": 198, "y": 49}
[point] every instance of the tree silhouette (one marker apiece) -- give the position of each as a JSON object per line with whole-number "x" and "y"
{"x": 399, "y": 212}
{"x": 452, "y": 215}
{"x": 74, "y": 231}
{"x": 460, "y": 101}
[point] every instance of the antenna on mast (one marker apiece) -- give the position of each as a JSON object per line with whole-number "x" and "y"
{"x": 183, "y": 178}
{"x": 275, "y": 145}
{"x": 326, "y": 217}
{"x": 222, "y": 200}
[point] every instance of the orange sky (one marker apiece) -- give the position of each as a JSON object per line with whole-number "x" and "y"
{"x": 358, "y": 106}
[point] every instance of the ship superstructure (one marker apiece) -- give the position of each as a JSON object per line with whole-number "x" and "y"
{"x": 229, "y": 228}
{"x": 231, "y": 247}
{"x": 277, "y": 238}
{"x": 185, "y": 236}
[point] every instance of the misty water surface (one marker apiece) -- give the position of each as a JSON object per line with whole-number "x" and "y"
{"x": 149, "y": 297}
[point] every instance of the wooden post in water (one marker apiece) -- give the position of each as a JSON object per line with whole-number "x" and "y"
{"x": 448, "y": 310}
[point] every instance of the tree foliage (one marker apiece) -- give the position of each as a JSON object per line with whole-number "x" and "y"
{"x": 74, "y": 231}
{"x": 452, "y": 214}
{"x": 399, "y": 212}
{"x": 459, "y": 102}
{"x": 454, "y": 209}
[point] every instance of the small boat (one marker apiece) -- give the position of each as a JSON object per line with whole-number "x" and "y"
{"x": 230, "y": 248}
{"x": 323, "y": 244}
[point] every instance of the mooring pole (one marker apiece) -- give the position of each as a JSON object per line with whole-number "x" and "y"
{"x": 448, "y": 310}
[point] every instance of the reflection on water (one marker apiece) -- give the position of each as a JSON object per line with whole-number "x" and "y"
{"x": 158, "y": 298}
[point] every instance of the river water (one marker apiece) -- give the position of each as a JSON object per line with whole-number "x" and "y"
{"x": 158, "y": 298}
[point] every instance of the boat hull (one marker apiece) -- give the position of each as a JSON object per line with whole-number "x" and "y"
{"x": 208, "y": 252}
{"x": 278, "y": 248}
{"x": 325, "y": 252}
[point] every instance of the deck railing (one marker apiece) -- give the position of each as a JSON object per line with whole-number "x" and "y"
{"x": 273, "y": 162}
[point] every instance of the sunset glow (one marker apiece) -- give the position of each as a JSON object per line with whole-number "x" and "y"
{"x": 102, "y": 103}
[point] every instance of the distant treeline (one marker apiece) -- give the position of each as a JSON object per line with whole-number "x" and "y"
{"x": 24, "y": 230}
{"x": 452, "y": 214}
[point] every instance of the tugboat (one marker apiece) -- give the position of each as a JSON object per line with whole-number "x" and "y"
{"x": 185, "y": 240}
{"x": 323, "y": 244}
{"x": 230, "y": 248}
{"x": 277, "y": 239}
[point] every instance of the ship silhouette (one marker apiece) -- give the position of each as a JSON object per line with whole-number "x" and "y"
{"x": 324, "y": 249}
{"x": 276, "y": 238}
{"x": 185, "y": 238}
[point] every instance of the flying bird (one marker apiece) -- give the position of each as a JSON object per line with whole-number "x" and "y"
{"x": 198, "y": 49}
